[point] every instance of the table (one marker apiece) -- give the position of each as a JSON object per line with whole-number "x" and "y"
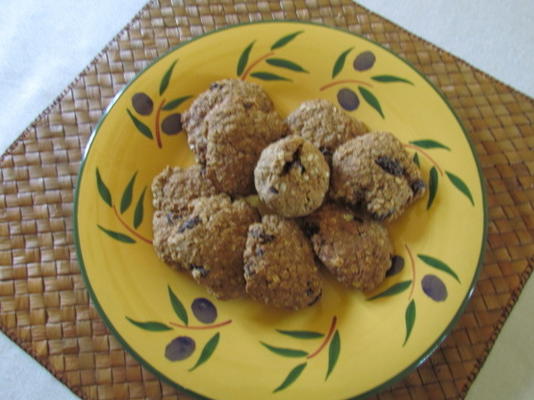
{"x": 44, "y": 46}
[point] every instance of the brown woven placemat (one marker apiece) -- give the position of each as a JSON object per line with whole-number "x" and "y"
{"x": 44, "y": 306}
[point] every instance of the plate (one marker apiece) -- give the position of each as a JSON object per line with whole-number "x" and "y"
{"x": 350, "y": 344}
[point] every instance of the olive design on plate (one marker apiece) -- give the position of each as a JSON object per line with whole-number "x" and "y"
{"x": 204, "y": 310}
{"x": 142, "y": 103}
{"x": 397, "y": 265}
{"x": 434, "y": 287}
{"x": 364, "y": 61}
{"x": 180, "y": 348}
{"x": 348, "y": 99}
{"x": 172, "y": 124}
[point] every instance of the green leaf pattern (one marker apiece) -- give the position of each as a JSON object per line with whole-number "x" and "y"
{"x": 438, "y": 264}
{"x": 371, "y": 100}
{"x": 460, "y": 185}
{"x": 243, "y": 59}
{"x": 121, "y": 237}
{"x": 268, "y": 76}
{"x": 409, "y": 318}
{"x": 103, "y": 189}
{"x": 301, "y": 334}
{"x": 285, "y": 352}
{"x": 333, "y": 353}
{"x": 433, "y": 180}
{"x": 285, "y": 40}
{"x": 207, "y": 351}
{"x": 291, "y": 377}
{"x": 126, "y": 199}
{"x": 393, "y": 290}
{"x": 141, "y": 127}
{"x": 166, "y": 79}
{"x": 139, "y": 210}
{"x": 340, "y": 62}
{"x": 178, "y": 307}
{"x": 150, "y": 325}
{"x": 282, "y": 63}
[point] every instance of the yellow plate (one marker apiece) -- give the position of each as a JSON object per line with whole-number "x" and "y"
{"x": 347, "y": 345}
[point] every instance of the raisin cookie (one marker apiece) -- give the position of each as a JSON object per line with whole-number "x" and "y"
{"x": 355, "y": 250}
{"x": 237, "y": 133}
{"x": 292, "y": 177}
{"x": 210, "y": 241}
{"x": 280, "y": 268}
{"x": 163, "y": 224}
{"x": 324, "y": 125}
{"x": 375, "y": 172}
{"x": 194, "y": 120}
{"x": 174, "y": 188}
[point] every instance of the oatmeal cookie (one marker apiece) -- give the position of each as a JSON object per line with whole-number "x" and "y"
{"x": 174, "y": 188}
{"x": 194, "y": 120}
{"x": 237, "y": 133}
{"x": 355, "y": 250}
{"x": 210, "y": 242}
{"x": 280, "y": 268}
{"x": 324, "y": 125}
{"x": 292, "y": 177}
{"x": 375, "y": 172}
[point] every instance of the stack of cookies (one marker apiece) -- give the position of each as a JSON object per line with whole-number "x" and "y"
{"x": 271, "y": 201}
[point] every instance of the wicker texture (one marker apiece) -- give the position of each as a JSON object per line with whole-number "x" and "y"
{"x": 43, "y": 302}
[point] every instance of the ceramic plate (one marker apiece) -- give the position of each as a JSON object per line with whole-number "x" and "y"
{"x": 349, "y": 344}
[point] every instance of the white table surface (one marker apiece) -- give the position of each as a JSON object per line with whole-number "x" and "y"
{"x": 44, "y": 45}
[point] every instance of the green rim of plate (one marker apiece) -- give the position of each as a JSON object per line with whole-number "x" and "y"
{"x": 361, "y": 396}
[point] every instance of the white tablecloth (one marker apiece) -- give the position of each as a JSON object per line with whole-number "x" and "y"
{"x": 44, "y": 45}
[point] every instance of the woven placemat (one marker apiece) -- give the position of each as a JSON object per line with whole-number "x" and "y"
{"x": 44, "y": 306}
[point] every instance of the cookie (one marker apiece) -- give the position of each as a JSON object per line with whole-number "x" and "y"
{"x": 355, "y": 250}
{"x": 174, "y": 188}
{"x": 194, "y": 120}
{"x": 237, "y": 133}
{"x": 280, "y": 268}
{"x": 163, "y": 224}
{"x": 375, "y": 172}
{"x": 324, "y": 125}
{"x": 292, "y": 177}
{"x": 210, "y": 241}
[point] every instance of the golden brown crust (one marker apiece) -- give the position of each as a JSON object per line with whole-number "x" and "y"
{"x": 292, "y": 177}
{"x": 374, "y": 171}
{"x": 174, "y": 187}
{"x": 237, "y": 134}
{"x": 194, "y": 120}
{"x": 210, "y": 242}
{"x": 324, "y": 125}
{"x": 356, "y": 251}
{"x": 279, "y": 265}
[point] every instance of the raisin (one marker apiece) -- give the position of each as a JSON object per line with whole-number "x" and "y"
{"x": 316, "y": 299}
{"x": 170, "y": 219}
{"x": 295, "y": 162}
{"x": 326, "y": 152}
{"x": 203, "y": 272}
{"x": 274, "y": 190}
{"x": 262, "y": 236}
{"x": 390, "y": 166}
{"x": 417, "y": 186}
{"x": 189, "y": 224}
{"x": 259, "y": 252}
{"x": 214, "y": 86}
{"x": 357, "y": 219}
{"x": 382, "y": 217}
{"x": 310, "y": 228}
{"x": 249, "y": 269}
